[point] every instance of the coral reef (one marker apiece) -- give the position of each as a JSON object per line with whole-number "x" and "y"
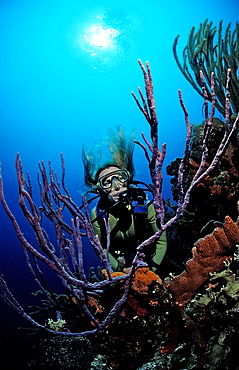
{"x": 216, "y": 195}
{"x": 209, "y": 254}
{"x": 204, "y": 53}
{"x": 137, "y": 338}
{"x": 208, "y": 50}
{"x": 143, "y": 277}
{"x": 212, "y": 199}
{"x": 64, "y": 255}
{"x": 215, "y": 311}
{"x": 130, "y": 319}
{"x": 62, "y": 353}
{"x": 132, "y": 338}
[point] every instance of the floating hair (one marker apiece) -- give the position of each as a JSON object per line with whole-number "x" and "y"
{"x": 114, "y": 150}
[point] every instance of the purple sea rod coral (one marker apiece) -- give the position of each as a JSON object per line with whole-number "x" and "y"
{"x": 65, "y": 256}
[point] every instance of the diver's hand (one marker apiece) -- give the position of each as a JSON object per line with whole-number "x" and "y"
{"x": 126, "y": 270}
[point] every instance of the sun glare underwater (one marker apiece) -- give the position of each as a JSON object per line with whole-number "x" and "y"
{"x": 101, "y": 37}
{"x": 67, "y": 72}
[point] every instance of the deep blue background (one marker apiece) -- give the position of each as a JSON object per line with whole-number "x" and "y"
{"x": 58, "y": 91}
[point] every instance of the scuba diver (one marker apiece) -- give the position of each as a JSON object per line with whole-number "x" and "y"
{"x": 132, "y": 217}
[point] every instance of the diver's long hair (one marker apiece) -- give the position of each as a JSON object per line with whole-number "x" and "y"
{"x": 114, "y": 150}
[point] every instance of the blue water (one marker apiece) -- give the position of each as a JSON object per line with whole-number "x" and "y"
{"x": 64, "y": 80}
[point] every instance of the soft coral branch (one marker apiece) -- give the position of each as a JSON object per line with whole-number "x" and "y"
{"x": 157, "y": 158}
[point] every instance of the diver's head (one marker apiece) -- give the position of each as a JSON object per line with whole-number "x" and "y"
{"x": 116, "y": 150}
{"x": 112, "y": 181}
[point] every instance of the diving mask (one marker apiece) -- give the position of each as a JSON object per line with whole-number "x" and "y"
{"x": 115, "y": 178}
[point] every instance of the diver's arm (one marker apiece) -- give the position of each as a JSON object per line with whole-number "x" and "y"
{"x": 95, "y": 224}
{"x": 161, "y": 244}
{"x": 161, "y": 247}
{"x": 97, "y": 231}
{"x": 113, "y": 262}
